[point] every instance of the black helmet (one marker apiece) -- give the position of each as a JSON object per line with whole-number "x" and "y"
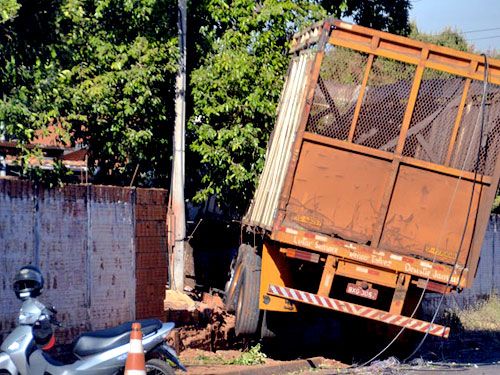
{"x": 28, "y": 282}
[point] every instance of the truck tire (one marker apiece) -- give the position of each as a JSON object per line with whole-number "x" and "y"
{"x": 233, "y": 284}
{"x": 231, "y": 287}
{"x": 247, "y": 303}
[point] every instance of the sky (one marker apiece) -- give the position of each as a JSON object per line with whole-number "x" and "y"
{"x": 476, "y": 18}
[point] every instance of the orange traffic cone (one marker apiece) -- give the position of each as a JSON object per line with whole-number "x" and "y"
{"x": 135, "y": 364}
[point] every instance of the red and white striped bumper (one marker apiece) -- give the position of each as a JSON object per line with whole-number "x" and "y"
{"x": 358, "y": 310}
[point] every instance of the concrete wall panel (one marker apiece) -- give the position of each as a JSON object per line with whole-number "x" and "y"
{"x": 16, "y": 244}
{"x": 112, "y": 256}
{"x": 84, "y": 238}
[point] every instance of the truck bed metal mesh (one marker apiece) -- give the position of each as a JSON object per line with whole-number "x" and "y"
{"x": 439, "y": 132}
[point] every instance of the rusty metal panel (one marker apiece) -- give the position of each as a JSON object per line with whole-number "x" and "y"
{"x": 428, "y": 214}
{"x": 329, "y": 198}
{"x": 263, "y": 207}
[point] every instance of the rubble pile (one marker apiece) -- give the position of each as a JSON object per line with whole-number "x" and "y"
{"x": 200, "y": 324}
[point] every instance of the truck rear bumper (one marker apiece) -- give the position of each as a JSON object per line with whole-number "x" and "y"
{"x": 358, "y": 310}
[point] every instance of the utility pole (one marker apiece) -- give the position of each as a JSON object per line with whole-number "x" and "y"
{"x": 177, "y": 210}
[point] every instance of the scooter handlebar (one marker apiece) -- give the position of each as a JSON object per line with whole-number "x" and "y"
{"x": 50, "y": 313}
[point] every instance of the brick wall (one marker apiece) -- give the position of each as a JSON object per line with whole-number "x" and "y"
{"x": 151, "y": 254}
{"x": 102, "y": 250}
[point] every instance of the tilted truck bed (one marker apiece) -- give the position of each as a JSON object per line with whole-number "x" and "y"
{"x": 377, "y": 155}
{"x": 379, "y": 179}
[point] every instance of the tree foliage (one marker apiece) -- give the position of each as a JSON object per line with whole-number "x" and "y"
{"x": 446, "y": 38}
{"x": 8, "y": 10}
{"x": 237, "y": 86}
{"x": 385, "y": 15}
{"x": 101, "y": 69}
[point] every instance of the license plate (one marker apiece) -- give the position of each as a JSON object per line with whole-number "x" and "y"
{"x": 357, "y": 290}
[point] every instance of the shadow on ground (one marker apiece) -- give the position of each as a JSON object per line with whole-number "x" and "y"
{"x": 355, "y": 341}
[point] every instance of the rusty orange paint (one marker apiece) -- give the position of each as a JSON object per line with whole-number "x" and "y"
{"x": 363, "y": 272}
{"x": 274, "y": 271}
{"x": 325, "y": 284}
{"x": 362, "y": 90}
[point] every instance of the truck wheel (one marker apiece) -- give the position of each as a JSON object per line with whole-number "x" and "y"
{"x": 247, "y": 306}
{"x": 233, "y": 285}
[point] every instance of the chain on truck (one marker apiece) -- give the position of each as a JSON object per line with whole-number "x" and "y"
{"x": 380, "y": 175}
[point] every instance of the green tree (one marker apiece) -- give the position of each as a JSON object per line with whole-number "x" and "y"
{"x": 236, "y": 88}
{"x": 8, "y": 10}
{"x": 385, "y": 15}
{"x": 447, "y": 38}
{"x": 104, "y": 71}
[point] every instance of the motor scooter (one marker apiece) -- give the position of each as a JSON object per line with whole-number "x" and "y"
{"x": 103, "y": 352}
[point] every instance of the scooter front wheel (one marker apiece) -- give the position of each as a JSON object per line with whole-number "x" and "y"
{"x": 158, "y": 367}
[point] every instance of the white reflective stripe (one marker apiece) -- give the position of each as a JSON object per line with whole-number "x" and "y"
{"x": 439, "y": 332}
{"x": 396, "y": 257}
{"x": 294, "y": 295}
{"x": 421, "y": 326}
{"x": 291, "y": 231}
{"x": 323, "y": 301}
{"x": 381, "y": 253}
{"x": 362, "y": 310}
{"x": 284, "y": 292}
{"x": 411, "y": 323}
{"x": 361, "y": 269}
{"x": 303, "y": 296}
{"x": 371, "y": 313}
{"x": 354, "y": 309}
{"x": 136, "y": 346}
{"x": 273, "y": 289}
{"x": 135, "y": 372}
{"x": 321, "y": 238}
{"x": 313, "y": 298}
{"x": 426, "y": 264}
{"x": 402, "y": 320}
{"x": 334, "y": 305}
{"x": 390, "y": 319}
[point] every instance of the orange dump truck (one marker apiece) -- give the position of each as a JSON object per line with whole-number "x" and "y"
{"x": 379, "y": 179}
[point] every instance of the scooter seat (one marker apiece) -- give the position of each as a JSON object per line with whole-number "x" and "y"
{"x": 107, "y": 339}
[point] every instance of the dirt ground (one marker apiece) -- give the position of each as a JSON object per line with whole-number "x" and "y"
{"x": 207, "y": 345}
